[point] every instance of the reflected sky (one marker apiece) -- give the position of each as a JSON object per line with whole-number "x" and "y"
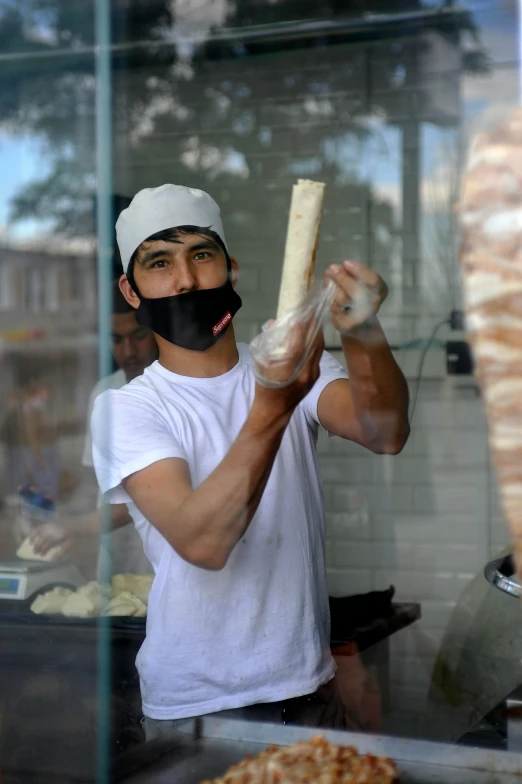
{"x": 23, "y": 158}
{"x": 21, "y": 161}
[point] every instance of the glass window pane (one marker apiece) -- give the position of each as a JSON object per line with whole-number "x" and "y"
{"x": 243, "y": 552}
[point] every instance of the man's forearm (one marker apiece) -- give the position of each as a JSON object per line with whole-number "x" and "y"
{"x": 89, "y": 524}
{"x": 379, "y": 389}
{"x": 217, "y": 513}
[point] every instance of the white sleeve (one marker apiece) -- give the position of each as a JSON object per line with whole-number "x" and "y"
{"x": 129, "y": 433}
{"x": 331, "y": 370}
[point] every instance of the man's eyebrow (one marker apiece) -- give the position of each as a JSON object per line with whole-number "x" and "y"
{"x": 204, "y": 245}
{"x": 151, "y": 255}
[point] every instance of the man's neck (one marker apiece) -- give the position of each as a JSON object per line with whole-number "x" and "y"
{"x": 218, "y": 359}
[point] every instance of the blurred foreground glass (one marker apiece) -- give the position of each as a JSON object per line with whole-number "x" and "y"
{"x": 241, "y": 100}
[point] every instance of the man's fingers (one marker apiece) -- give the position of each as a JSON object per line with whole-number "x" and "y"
{"x": 345, "y": 296}
{"x": 367, "y": 277}
{"x": 38, "y": 541}
{"x": 47, "y": 536}
{"x": 348, "y": 287}
{"x": 361, "y": 272}
{"x": 42, "y": 546}
{"x": 357, "y": 272}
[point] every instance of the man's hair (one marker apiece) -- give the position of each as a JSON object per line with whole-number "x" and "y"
{"x": 170, "y": 235}
{"x": 119, "y": 303}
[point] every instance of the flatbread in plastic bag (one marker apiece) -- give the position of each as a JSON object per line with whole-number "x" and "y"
{"x": 282, "y": 349}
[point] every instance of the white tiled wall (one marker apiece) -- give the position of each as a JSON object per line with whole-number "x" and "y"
{"x": 425, "y": 521}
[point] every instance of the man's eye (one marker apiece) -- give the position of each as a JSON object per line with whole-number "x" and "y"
{"x": 159, "y": 263}
{"x": 202, "y": 255}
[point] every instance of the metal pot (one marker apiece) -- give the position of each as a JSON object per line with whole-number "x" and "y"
{"x": 501, "y": 573}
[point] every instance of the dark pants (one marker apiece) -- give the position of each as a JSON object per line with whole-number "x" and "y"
{"x": 323, "y": 709}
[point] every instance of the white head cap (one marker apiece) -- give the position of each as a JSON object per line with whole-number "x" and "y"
{"x": 166, "y": 207}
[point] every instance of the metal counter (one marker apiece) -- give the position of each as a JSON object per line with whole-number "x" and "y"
{"x": 207, "y": 747}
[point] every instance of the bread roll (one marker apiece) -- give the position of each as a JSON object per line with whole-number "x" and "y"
{"x": 50, "y": 603}
{"x": 137, "y": 584}
{"x": 126, "y": 604}
{"x": 88, "y": 601}
{"x": 302, "y": 236}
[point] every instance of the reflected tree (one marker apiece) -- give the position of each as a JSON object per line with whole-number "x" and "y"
{"x": 197, "y": 97}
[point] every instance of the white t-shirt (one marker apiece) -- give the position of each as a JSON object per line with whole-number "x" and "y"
{"x": 258, "y": 630}
{"x": 122, "y": 550}
{"x": 116, "y": 380}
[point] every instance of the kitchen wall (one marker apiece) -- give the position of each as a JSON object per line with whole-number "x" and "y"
{"x": 425, "y": 521}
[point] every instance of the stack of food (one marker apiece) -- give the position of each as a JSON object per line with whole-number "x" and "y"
{"x": 127, "y": 596}
{"x": 316, "y": 761}
{"x": 491, "y": 260}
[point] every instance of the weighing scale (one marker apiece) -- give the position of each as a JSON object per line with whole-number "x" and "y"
{"x": 21, "y": 580}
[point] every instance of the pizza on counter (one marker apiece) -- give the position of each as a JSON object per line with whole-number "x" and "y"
{"x": 315, "y": 761}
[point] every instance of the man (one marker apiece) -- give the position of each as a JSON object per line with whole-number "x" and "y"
{"x": 134, "y": 348}
{"x": 221, "y": 477}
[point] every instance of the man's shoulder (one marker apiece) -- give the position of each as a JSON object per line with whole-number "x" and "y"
{"x": 139, "y": 387}
{"x": 142, "y": 397}
{"x": 115, "y": 381}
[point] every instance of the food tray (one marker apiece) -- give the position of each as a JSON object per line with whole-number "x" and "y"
{"x": 13, "y": 613}
{"x": 207, "y": 747}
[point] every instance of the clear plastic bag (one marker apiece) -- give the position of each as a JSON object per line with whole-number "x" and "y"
{"x": 284, "y": 346}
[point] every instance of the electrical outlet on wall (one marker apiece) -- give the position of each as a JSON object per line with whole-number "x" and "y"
{"x": 459, "y": 360}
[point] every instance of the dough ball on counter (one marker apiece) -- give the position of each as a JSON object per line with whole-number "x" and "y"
{"x": 95, "y": 590}
{"x": 51, "y": 603}
{"x": 127, "y": 604}
{"x": 27, "y": 552}
{"x": 88, "y": 601}
{"x": 137, "y": 584}
{"x": 79, "y": 605}
{"x": 128, "y": 597}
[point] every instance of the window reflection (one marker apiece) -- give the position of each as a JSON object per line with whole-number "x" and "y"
{"x": 241, "y": 100}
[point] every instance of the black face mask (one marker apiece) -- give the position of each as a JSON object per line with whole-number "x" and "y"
{"x": 195, "y": 320}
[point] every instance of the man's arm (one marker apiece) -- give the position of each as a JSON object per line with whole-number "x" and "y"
{"x": 204, "y": 524}
{"x": 48, "y": 535}
{"x": 90, "y": 523}
{"x": 372, "y": 407}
